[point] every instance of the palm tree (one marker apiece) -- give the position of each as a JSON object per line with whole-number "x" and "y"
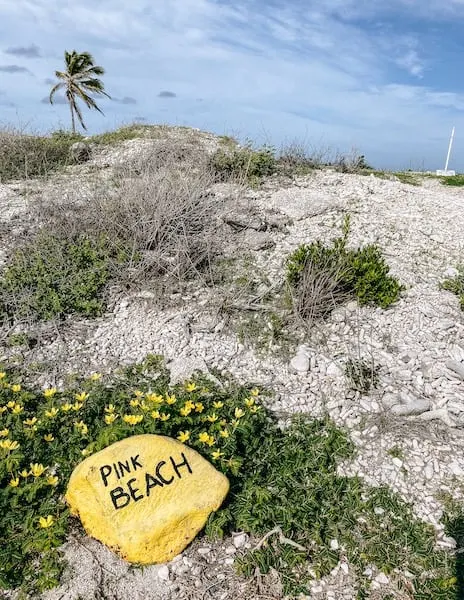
{"x": 79, "y": 82}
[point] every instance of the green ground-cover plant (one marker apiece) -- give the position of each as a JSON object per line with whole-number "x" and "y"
{"x": 44, "y": 434}
{"x": 280, "y": 478}
{"x": 245, "y": 162}
{"x": 321, "y": 276}
{"x": 456, "y": 285}
{"x": 453, "y": 180}
{"x": 24, "y": 156}
{"x": 53, "y": 277}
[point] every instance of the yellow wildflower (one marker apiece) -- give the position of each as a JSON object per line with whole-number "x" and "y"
{"x": 155, "y": 414}
{"x": 82, "y": 426}
{"x": 171, "y": 399}
{"x": 46, "y": 522}
{"x": 37, "y": 469}
{"x": 49, "y": 392}
{"x": 254, "y": 409}
{"x": 77, "y": 406}
{"x": 185, "y": 411}
{"x": 30, "y": 422}
{"x": 203, "y": 437}
{"x": 110, "y": 418}
{"x": 234, "y": 422}
{"x": 211, "y": 441}
{"x": 85, "y": 451}
{"x": 52, "y": 480}
{"x": 254, "y": 392}
{"x": 239, "y": 413}
{"x": 95, "y": 377}
{"x": 3, "y": 409}
{"x": 51, "y": 414}
{"x": 222, "y": 422}
{"x": 144, "y": 406}
{"x": 24, "y": 473}
{"x": 2, "y": 374}
{"x": 14, "y": 482}
{"x": 212, "y": 418}
{"x": 205, "y": 390}
{"x": 218, "y": 404}
{"x": 81, "y": 397}
{"x": 9, "y": 445}
{"x": 224, "y": 433}
{"x": 183, "y": 436}
{"x": 164, "y": 417}
{"x": 18, "y": 409}
{"x": 138, "y": 393}
{"x": 48, "y": 437}
{"x": 217, "y": 454}
{"x": 11, "y": 404}
{"x": 134, "y": 402}
{"x": 249, "y": 402}
{"x": 66, "y": 407}
{"x": 190, "y": 386}
{"x": 16, "y": 388}
{"x": 133, "y": 419}
{"x": 4, "y": 432}
{"x": 199, "y": 407}
{"x": 155, "y": 398}
{"x": 110, "y": 408}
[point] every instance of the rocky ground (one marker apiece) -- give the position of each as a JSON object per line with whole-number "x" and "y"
{"x": 409, "y": 431}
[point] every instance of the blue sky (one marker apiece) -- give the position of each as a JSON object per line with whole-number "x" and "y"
{"x": 382, "y": 76}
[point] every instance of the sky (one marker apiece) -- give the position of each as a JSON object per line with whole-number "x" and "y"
{"x": 381, "y": 77}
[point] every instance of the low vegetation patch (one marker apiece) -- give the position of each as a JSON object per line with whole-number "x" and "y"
{"x": 244, "y": 163}
{"x": 53, "y": 277}
{"x": 284, "y": 484}
{"x": 321, "y": 277}
{"x": 456, "y": 285}
{"x": 453, "y": 180}
{"x": 24, "y": 156}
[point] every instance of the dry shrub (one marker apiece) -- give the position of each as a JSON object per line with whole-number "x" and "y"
{"x": 319, "y": 289}
{"x": 160, "y": 209}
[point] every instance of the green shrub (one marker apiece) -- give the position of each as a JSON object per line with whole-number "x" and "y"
{"x": 23, "y": 156}
{"x": 320, "y": 277}
{"x": 456, "y": 285}
{"x": 52, "y": 277}
{"x": 244, "y": 162}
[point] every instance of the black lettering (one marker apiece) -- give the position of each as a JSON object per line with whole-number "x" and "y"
{"x": 135, "y": 462}
{"x": 158, "y": 474}
{"x": 150, "y": 482}
{"x": 124, "y": 466}
{"x": 118, "y": 493}
{"x": 116, "y": 471}
{"x": 134, "y": 491}
{"x": 184, "y": 463}
{"x": 104, "y": 472}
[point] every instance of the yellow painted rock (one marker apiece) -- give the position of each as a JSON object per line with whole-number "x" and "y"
{"x": 146, "y": 497}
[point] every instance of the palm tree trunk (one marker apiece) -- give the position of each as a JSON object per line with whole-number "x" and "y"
{"x": 72, "y": 118}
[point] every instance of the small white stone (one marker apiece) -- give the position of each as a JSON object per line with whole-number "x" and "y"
{"x": 229, "y": 561}
{"x": 300, "y": 363}
{"x": 163, "y": 572}
{"x": 204, "y": 551}
{"x": 334, "y": 544}
{"x": 397, "y": 462}
{"x": 231, "y": 550}
{"x": 239, "y": 540}
{"x": 334, "y": 370}
{"x": 378, "y": 510}
{"x": 382, "y": 579}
